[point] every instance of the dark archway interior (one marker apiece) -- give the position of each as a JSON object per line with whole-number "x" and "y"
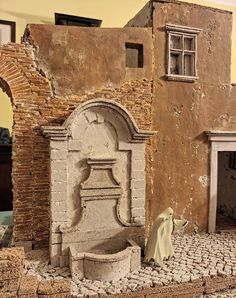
{"x": 226, "y": 191}
{"x": 6, "y": 195}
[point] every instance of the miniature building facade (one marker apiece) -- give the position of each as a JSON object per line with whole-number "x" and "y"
{"x": 169, "y": 68}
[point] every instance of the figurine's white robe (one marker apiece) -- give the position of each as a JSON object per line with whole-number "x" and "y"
{"x": 159, "y": 246}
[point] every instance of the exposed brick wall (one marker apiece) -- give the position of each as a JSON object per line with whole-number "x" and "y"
{"x": 35, "y": 105}
{"x": 27, "y": 88}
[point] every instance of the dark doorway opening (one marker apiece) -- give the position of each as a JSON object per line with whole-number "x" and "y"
{"x": 5, "y": 177}
{"x": 6, "y": 123}
{"x": 226, "y": 191}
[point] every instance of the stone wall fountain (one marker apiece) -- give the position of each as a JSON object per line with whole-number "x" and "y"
{"x": 97, "y": 195}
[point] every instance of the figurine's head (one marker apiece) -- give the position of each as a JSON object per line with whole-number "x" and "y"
{"x": 168, "y": 213}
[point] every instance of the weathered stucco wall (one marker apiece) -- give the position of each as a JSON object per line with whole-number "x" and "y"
{"x": 47, "y": 80}
{"x": 80, "y": 59}
{"x": 183, "y": 111}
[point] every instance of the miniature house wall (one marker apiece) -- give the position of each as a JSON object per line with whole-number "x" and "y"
{"x": 45, "y": 89}
{"x": 97, "y": 193}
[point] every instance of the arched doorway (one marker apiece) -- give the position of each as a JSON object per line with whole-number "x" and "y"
{"x": 6, "y": 196}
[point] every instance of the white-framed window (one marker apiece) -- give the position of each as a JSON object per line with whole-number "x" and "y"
{"x": 182, "y": 53}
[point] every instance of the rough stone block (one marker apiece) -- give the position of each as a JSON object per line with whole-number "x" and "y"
{"x": 58, "y": 145}
{"x": 64, "y": 250}
{"x": 58, "y": 186}
{"x": 13, "y": 254}
{"x": 124, "y": 146}
{"x": 11, "y": 267}
{"x": 138, "y": 165}
{"x": 54, "y": 287}
{"x": 138, "y": 174}
{"x": 55, "y": 238}
{"x": 28, "y": 287}
{"x": 9, "y": 270}
{"x": 138, "y": 183}
{"x": 55, "y": 261}
{"x": 55, "y": 250}
{"x": 63, "y": 261}
{"x": 135, "y": 261}
{"x": 57, "y": 216}
{"x": 138, "y": 193}
{"x": 58, "y": 196}
{"x": 58, "y": 206}
{"x": 138, "y": 154}
{"x": 10, "y": 285}
{"x": 76, "y": 263}
{"x": 137, "y": 203}
{"x": 58, "y": 154}
{"x": 139, "y": 147}
{"x": 58, "y": 165}
{"x": 58, "y": 176}
{"x": 9, "y": 295}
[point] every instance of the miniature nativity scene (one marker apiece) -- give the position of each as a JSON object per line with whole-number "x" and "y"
{"x": 122, "y": 166}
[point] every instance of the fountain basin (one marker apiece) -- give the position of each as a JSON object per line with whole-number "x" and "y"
{"x": 104, "y": 267}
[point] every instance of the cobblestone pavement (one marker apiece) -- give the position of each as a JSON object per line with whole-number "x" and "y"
{"x": 196, "y": 256}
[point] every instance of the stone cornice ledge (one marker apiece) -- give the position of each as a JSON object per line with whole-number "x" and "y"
{"x": 184, "y": 29}
{"x": 221, "y": 136}
{"x": 55, "y": 133}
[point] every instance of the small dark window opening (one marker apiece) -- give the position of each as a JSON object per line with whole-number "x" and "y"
{"x": 134, "y": 55}
{"x": 68, "y": 20}
{"x": 7, "y": 35}
{"x": 232, "y": 160}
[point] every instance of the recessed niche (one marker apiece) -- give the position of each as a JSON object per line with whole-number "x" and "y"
{"x": 134, "y": 55}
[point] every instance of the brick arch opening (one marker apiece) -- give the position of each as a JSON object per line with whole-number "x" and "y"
{"x": 12, "y": 75}
{"x": 12, "y": 82}
{"x": 23, "y": 83}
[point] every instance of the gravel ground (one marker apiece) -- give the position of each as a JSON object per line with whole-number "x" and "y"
{"x": 196, "y": 256}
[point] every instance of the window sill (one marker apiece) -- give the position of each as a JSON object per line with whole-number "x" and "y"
{"x": 181, "y": 78}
